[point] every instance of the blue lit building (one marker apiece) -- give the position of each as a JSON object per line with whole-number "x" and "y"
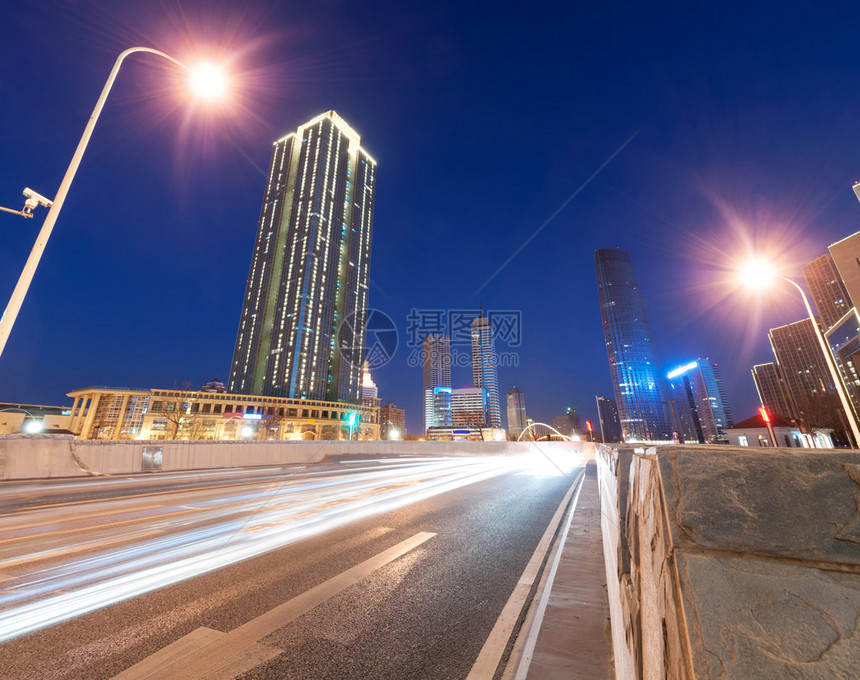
{"x": 636, "y": 378}
{"x": 699, "y": 407}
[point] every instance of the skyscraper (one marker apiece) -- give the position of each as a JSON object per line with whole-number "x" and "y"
{"x": 302, "y": 329}
{"x": 636, "y": 379}
{"x": 516, "y": 407}
{"x": 368, "y": 387}
{"x": 827, "y": 290}
{"x": 607, "y": 413}
{"x": 700, "y": 410}
{"x": 436, "y": 359}
{"x": 772, "y": 392}
{"x": 470, "y": 406}
{"x": 846, "y": 257}
{"x": 807, "y": 377}
{"x": 484, "y": 369}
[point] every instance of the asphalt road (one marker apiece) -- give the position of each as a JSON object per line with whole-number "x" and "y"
{"x": 98, "y": 575}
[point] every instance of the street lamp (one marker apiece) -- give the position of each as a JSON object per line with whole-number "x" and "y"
{"x": 760, "y": 275}
{"x": 205, "y": 80}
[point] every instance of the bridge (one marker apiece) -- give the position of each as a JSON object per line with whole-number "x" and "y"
{"x": 385, "y": 559}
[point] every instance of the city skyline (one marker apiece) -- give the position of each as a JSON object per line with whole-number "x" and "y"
{"x": 160, "y": 270}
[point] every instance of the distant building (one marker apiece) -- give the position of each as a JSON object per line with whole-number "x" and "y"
{"x": 34, "y": 418}
{"x": 636, "y": 379}
{"x": 368, "y": 387}
{"x": 772, "y": 390}
{"x": 470, "y": 406}
{"x": 121, "y": 413}
{"x": 484, "y": 367}
{"x": 827, "y": 290}
{"x": 610, "y": 427}
{"x": 573, "y": 419}
{"x": 466, "y": 433}
{"x": 215, "y": 386}
{"x": 436, "y": 360}
{"x": 392, "y": 419}
{"x": 516, "y": 404}
{"x": 562, "y": 424}
{"x": 754, "y": 432}
{"x": 302, "y": 332}
{"x": 701, "y": 413}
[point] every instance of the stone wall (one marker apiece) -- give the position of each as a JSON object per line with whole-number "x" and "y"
{"x": 729, "y": 562}
{"x": 41, "y": 456}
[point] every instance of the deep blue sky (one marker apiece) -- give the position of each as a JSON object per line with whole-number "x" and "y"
{"x": 484, "y": 118}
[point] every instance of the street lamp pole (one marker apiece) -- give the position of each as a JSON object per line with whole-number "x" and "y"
{"x": 17, "y": 299}
{"x": 834, "y": 374}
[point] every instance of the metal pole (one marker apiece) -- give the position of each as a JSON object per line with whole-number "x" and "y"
{"x": 17, "y": 299}
{"x": 834, "y": 374}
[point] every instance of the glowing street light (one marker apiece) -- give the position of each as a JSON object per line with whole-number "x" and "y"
{"x": 206, "y": 82}
{"x": 759, "y": 275}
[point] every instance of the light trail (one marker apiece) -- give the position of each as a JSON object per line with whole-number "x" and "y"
{"x": 186, "y": 535}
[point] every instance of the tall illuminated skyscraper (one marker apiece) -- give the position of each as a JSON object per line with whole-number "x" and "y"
{"x": 636, "y": 379}
{"x": 436, "y": 359}
{"x": 484, "y": 369}
{"x": 302, "y": 329}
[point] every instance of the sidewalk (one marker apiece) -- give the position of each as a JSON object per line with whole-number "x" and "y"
{"x": 574, "y": 638}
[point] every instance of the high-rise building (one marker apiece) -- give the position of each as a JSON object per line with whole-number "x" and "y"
{"x": 470, "y": 406}
{"x": 516, "y": 404}
{"x": 844, "y": 341}
{"x": 807, "y": 377}
{"x": 484, "y": 369}
{"x": 772, "y": 391}
{"x": 699, "y": 408}
{"x": 827, "y": 290}
{"x": 436, "y": 359}
{"x": 302, "y": 329}
{"x": 607, "y": 413}
{"x": 636, "y": 378}
{"x": 368, "y": 387}
{"x": 562, "y": 424}
{"x": 392, "y": 422}
{"x": 573, "y": 420}
{"x": 846, "y": 257}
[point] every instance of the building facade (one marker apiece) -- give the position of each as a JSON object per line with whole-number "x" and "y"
{"x": 827, "y": 290}
{"x": 436, "y": 361}
{"x": 845, "y": 254}
{"x": 485, "y": 367}
{"x": 470, "y": 406}
{"x": 607, "y": 414}
{"x": 392, "y": 422}
{"x": 807, "y": 378}
{"x": 516, "y": 410}
{"x": 772, "y": 391}
{"x": 302, "y": 329}
{"x": 120, "y": 413}
{"x": 636, "y": 379}
{"x": 699, "y": 407}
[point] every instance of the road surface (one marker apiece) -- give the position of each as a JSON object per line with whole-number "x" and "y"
{"x": 383, "y": 568}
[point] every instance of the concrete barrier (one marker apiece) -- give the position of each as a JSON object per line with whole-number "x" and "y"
{"x": 42, "y": 456}
{"x": 732, "y": 562}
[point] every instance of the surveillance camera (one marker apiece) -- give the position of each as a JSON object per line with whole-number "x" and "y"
{"x": 34, "y": 199}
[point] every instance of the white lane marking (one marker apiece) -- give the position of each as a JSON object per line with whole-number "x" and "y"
{"x": 488, "y": 660}
{"x": 205, "y": 657}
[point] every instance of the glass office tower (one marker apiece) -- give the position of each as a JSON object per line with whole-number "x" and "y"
{"x": 636, "y": 378}
{"x": 303, "y": 324}
{"x": 484, "y": 368}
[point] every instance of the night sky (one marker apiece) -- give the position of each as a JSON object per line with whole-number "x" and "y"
{"x": 741, "y": 131}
